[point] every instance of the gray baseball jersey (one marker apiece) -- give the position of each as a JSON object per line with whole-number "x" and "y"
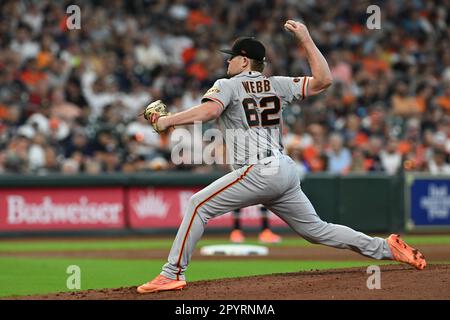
{"x": 252, "y": 104}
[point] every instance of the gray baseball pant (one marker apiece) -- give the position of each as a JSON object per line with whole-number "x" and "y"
{"x": 273, "y": 182}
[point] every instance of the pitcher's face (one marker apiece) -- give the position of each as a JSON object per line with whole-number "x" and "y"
{"x": 235, "y": 65}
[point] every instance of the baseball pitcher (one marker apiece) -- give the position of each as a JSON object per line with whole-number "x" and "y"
{"x": 250, "y": 103}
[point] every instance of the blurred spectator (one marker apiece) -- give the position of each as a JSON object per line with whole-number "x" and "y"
{"x": 36, "y": 152}
{"x": 438, "y": 164}
{"x": 314, "y": 154}
{"x": 372, "y": 159}
{"x": 149, "y": 54}
{"x": 391, "y": 159}
{"x": 298, "y": 137}
{"x": 78, "y": 142}
{"x": 339, "y": 157}
{"x": 92, "y": 167}
{"x": 51, "y": 161}
{"x": 107, "y": 151}
{"x": 296, "y": 153}
{"x": 70, "y": 166}
{"x": 403, "y": 104}
{"x": 23, "y": 44}
{"x": 358, "y": 165}
{"x": 149, "y": 142}
{"x": 17, "y": 153}
{"x": 62, "y": 109}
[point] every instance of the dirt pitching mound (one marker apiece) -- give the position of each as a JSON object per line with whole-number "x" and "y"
{"x": 397, "y": 282}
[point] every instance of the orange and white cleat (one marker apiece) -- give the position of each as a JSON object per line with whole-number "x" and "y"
{"x": 404, "y": 253}
{"x": 267, "y": 236}
{"x": 237, "y": 236}
{"x": 161, "y": 283}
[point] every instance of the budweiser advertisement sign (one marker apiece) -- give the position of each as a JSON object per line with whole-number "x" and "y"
{"x": 165, "y": 207}
{"x": 61, "y": 208}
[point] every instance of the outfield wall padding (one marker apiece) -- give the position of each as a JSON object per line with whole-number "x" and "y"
{"x": 154, "y": 201}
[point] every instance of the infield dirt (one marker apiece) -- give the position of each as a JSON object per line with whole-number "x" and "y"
{"x": 397, "y": 282}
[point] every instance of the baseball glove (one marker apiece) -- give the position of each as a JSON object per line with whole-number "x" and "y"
{"x": 153, "y": 112}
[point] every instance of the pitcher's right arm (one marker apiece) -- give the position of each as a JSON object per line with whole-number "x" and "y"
{"x": 321, "y": 74}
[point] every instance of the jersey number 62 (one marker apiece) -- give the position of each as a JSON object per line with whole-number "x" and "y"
{"x": 270, "y": 114}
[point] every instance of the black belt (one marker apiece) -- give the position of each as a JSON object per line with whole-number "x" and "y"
{"x": 264, "y": 154}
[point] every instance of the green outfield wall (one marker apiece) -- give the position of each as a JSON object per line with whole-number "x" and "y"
{"x": 367, "y": 203}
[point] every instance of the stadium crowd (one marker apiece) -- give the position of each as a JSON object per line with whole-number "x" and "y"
{"x": 69, "y": 99}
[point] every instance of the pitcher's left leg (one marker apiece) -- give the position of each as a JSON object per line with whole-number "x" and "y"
{"x": 297, "y": 211}
{"x": 223, "y": 195}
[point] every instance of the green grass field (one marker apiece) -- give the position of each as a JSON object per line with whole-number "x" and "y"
{"x": 23, "y": 276}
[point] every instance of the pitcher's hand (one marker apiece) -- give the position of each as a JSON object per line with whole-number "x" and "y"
{"x": 298, "y": 29}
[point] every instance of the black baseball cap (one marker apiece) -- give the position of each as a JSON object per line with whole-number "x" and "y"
{"x": 248, "y": 47}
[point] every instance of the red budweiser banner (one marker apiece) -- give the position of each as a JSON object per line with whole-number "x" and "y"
{"x": 165, "y": 207}
{"x": 61, "y": 208}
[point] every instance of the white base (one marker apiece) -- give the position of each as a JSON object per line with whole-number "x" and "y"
{"x": 234, "y": 250}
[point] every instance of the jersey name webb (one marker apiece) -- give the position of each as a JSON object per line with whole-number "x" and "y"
{"x": 256, "y": 86}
